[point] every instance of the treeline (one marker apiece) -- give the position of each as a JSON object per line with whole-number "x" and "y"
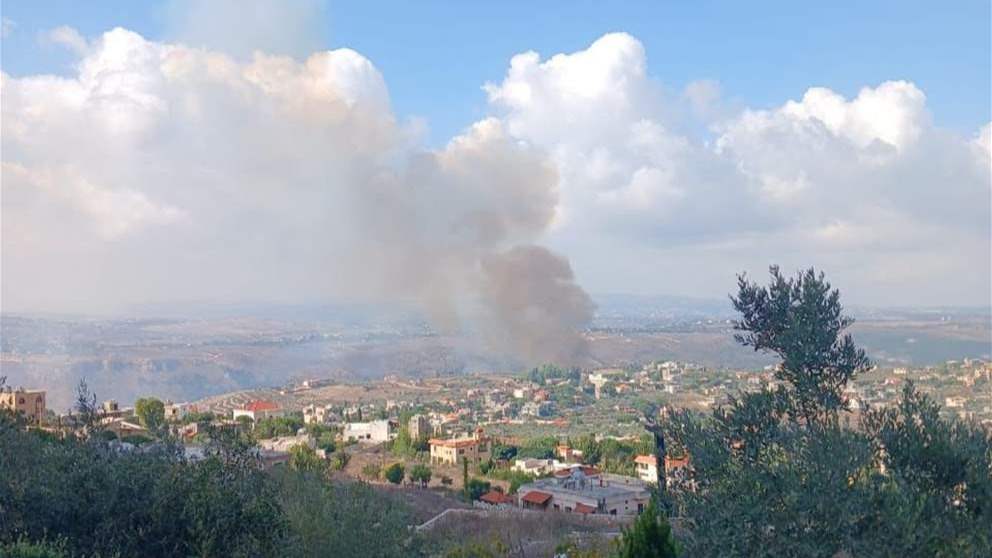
{"x": 77, "y": 497}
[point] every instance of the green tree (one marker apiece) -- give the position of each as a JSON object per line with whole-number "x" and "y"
{"x": 304, "y": 458}
{"x": 421, "y": 473}
{"x": 801, "y": 320}
{"x": 465, "y": 491}
{"x": 394, "y": 473}
{"x": 649, "y": 537}
{"x": 150, "y": 412}
{"x": 777, "y": 472}
{"x": 476, "y": 488}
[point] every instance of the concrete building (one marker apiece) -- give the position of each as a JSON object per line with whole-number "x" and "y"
{"x": 259, "y": 409}
{"x": 319, "y": 414}
{"x": 675, "y": 468}
{"x": 286, "y": 443}
{"x": 374, "y": 432}
{"x": 28, "y": 402}
{"x": 177, "y": 411}
{"x": 647, "y": 468}
{"x": 476, "y": 448}
{"x": 419, "y": 427}
{"x": 585, "y": 490}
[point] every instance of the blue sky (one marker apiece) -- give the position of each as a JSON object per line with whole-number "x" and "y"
{"x": 436, "y": 55}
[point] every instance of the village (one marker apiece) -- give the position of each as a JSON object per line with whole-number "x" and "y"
{"x": 553, "y": 439}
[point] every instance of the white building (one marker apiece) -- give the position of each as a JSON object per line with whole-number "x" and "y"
{"x": 374, "y": 432}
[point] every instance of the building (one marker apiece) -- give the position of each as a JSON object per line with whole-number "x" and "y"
{"x": 374, "y": 432}
{"x": 647, "y": 468}
{"x": 476, "y": 448}
{"x": 259, "y": 409}
{"x": 675, "y": 468}
{"x": 287, "y": 443}
{"x": 28, "y": 402}
{"x": 419, "y": 427}
{"x": 496, "y": 500}
{"x": 319, "y": 414}
{"x": 536, "y": 408}
{"x": 177, "y": 411}
{"x": 586, "y": 490}
{"x": 538, "y": 467}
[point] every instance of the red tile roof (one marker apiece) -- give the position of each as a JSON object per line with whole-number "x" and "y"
{"x": 536, "y": 497}
{"x": 583, "y": 508}
{"x": 496, "y": 498}
{"x": 260, "y": 405}
{"x": 646, "y": 460}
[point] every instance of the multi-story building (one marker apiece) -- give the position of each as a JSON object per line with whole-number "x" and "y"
{"x": 675, "y": 468}
{"x": 28, "y": 402}
{"x": 476, "y": 448}
{"x": 419, "y": 427}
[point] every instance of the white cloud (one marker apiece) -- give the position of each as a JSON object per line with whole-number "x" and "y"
{"x": 821, "y": 181}
{"x": 69, "y": 38}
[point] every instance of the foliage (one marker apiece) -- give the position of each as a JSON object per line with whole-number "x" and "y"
{"x": 303, "y": 458}
{"x": 649, "y": 537}
{"x": 779, "y": 472}
{"x": 545, "y": 372}
{"x": 271, "y": 427}
{"x": 325, "y": 436}
{"x": 476, "y": 488}
{"x": 150, "y": 412}
{"x": 538, "y": 448}
{"x": 405, "y": 446}
{"x": 199, "y": 417}
{"x": 23, "y": 548}
{"x": 394, "y": 473}
{"x": 801, "y": 320}
{"x": 96, "y": 500}
{"x": 339, "y": 460}
{"x": 516, "y": 478}
{"x": 421, "y": 473}
{"x": 486, "y": 466}
{"x": 372, "y": 471}
{"x": 341, "y": 519}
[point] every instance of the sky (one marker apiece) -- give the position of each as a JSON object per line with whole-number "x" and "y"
{"x": 513, "y": 155}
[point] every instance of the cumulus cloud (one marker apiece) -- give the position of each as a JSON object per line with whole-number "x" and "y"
{"x": 163, "y": 172}
{"x": 863, "y": 186}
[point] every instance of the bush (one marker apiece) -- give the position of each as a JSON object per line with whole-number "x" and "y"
{"x": 421, "y": 473}
{"x": 372, "y": 471}
{"x": 394, "y": 473}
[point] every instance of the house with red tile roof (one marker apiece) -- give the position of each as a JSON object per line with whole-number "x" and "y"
{"x": 259, "y": 409}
